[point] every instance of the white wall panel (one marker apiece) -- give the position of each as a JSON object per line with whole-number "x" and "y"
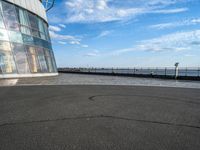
{"x": 34, "y": 6}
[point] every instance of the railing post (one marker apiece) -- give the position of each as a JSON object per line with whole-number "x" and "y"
{"x": 186, "y": 71}
{"x": 165, "y": 71}
{"x": 156, "y": 71}
{"x": 176, "y": 72}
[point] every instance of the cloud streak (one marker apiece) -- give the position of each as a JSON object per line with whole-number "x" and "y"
{"x": 95, "y": 11}
{"x": 186, "y": 22}
{"x": 65, "y": 38}
{"x": 174, "y": 42}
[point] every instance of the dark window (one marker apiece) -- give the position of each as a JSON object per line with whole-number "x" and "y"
{"x": 33, "y": 21}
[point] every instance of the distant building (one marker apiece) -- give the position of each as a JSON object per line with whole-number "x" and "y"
{"x": 25, "y": 45}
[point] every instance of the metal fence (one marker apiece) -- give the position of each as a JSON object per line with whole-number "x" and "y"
{"x": 182, "y": 72}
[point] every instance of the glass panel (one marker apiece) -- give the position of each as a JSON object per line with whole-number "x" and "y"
{"x": 47, "y": 52}
{"x": 46, "y": 44}
{"x": 3, "y": 35}
{"x": 23, "y": 18}
{"x": 1, "y": 17}
{"x": 40, "y": 24}
{"x": 53, "y": 61}
{"x": 5, "y": 46}
{"x": 38, "y": 41}
{"x": 49, "y": 60}
{"x": 7, "y": 63}
{"x": 42, "y": 35}
{"x": 20, "y": 58}
{"x": 28, "y": 39}
{"x": 46, "y": 32}
{"x": 41, "y": 59}
{"x": 0, "y": 68}
{"x": 25, "y": 30}
{"x": 32, "y": 58}
{"x": 10, "y": 18}
{"x": 49, "y": 63}
{"x": 33, "y": 21}
{"x": 1, "y": 21}
{"x": 1, "y": 7}
{"x": 15, "y": 37}
{"x": 35, "y": 33}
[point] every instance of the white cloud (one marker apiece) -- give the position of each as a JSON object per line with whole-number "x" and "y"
{"x": 186, "y": 22}
{"x": 189, "y": 55}
{"x": 92, "y": 54}
{"x": 104, "y": 33}
{"x": 54, "y": 28}
{"x": 105, "y": 10}
{"x": 62, "y": 25}
{"x": 84, "y": 46}
{"x": 196, "y": 21}
{"x": 65, "y": 38}
{"x": 170, "y": 11}
{"x": 172, "y": 42}
{"x": 75, "y": 42}
{"x": 61, "y": 42}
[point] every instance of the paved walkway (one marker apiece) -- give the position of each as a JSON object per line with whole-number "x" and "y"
{"x": 99, "y": 118}
{"x": 80, "y": 79}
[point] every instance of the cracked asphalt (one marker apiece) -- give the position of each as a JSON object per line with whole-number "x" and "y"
{"x": 99, "y": 117}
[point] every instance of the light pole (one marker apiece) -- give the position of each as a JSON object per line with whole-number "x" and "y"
{"x": 176, "y": 70}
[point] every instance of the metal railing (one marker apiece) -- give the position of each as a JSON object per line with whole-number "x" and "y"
{"x": 182, "y": 72}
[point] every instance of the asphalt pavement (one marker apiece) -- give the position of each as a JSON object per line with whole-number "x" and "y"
{"x": 91, "y": 117}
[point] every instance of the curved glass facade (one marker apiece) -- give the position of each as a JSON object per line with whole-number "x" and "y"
{"x": 25, "y": 46}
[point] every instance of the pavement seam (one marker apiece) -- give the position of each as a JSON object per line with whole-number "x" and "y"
{"x": 100, "y": 116}
{"x": 92, "y": 98}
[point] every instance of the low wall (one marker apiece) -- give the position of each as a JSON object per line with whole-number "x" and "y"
{"x": 133, "y": 75}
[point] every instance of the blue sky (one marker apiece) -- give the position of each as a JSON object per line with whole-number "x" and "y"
{"x": 125, "y": 33}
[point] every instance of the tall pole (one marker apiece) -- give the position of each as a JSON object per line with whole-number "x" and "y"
{"x": 176, "y": 70}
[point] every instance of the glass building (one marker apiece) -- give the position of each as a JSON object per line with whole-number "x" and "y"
{"x": 25, "y": 45}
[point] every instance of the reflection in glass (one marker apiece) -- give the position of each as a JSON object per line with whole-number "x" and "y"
{"x": 6, "y": 62}
{"x": 33, "y": 21}
{"x": 35, "y": 33}
{"x": 15, "y": 37}
{"x": 32, "y": 58}
{"x": 53, "y": 61}
{"x": 25, "y": 45}
{"x": 1, "y": 17}
{"x": 23, "y": 19}
{"x": 20, "y": 58}
{"x": 28, "y": 39}
{"x": 5, "y": 46}
{"x": 3, "y": 35}
{"x": 48, "y": 60}
{"x": 9, "y": 16}
{"x": 41, "y": 59}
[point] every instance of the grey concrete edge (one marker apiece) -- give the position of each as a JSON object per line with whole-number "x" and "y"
{"x": 6, "y": 76}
